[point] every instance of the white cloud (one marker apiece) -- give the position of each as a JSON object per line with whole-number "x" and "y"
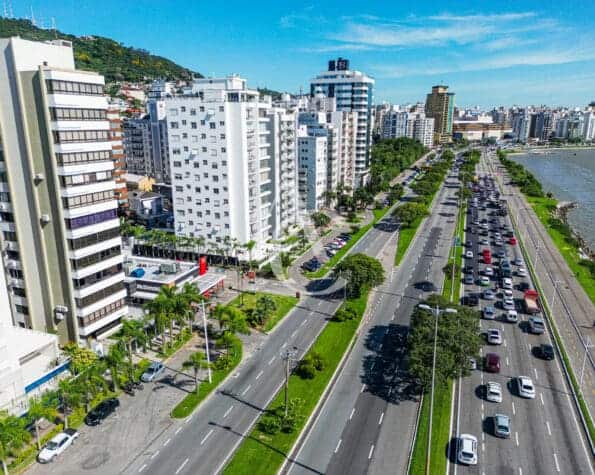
{"x": 336, "y": 47}
{"x": 496, "y": 17}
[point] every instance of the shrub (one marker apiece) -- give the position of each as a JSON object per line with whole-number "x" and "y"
{"x": 270, "y": 424}
{"x": 305, "y": 369}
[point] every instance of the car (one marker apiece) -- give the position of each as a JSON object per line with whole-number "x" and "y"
{"x": 493, "y": 392}
{"x": 518, "y": 262}
{"x": 492, "y": 363}
{"x": 511, "y": 316}
{"x": 484, "y": 242}
{"x": 469, "y": 254}
{"x": 521, "y": 272}
{"x": 489, "y": 313}
{"x": 501, "y": 426}
{"x": 508, "y": 304}
{"x": 501, "y": 254}
{"x": 488, "y": 294}
{"x": 484, "y": 281}
{"x": 488, "y": 271}
{"x": 507, "y": 294}
{"x": 468, "y": 279}
{"x": 152, "y": 372}
{"x": 523, "y": 286}
{"x": 498, "y": 242}
{"x": 497, "y": 235}
{"x": 331, "y": 252}
{"x": 536, "y": 325}
{"x": 58, "y": 444}
{"x": 471, "y": 300}
{"x": 525, "y": 387}
{"x": 469, "y": 243}
{"x": 101, "y": 411}
{"x": 507, "y": 283}
{"x": 545, "y": 351}
{"x": 512, "y": 241}
{"x": 467, "y": 449}
{"x": 472, "y": 364}
{"x": 494, "y": 336}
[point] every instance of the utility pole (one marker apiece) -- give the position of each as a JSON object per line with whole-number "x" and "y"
{"x": 288, "y": 357}
{"x": 436, "y": 314}
{"x": 588, "y": 346}
{"x": 204, "y": 321}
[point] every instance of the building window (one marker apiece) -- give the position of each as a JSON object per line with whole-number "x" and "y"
{"x": 62, "y": 113}
{"x": 82, "y": 157}
{"x": 55, "y": 86}
{"x": 70, "y": 136}
{"x": 88, "y": 199}
{"x": 212, "y": 125}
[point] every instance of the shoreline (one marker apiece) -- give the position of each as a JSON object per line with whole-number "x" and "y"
{"x": 561, "y": 212}
{"x": 544, "y": 148}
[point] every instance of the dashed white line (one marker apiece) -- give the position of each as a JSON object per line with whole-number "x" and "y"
{"x": 303, "y": 322}
{"x": 259, "y": 374}
{"x": 271, "y": 360}
{"x": 541, "y": 397}
{"x": 556, "y": 460}
{"x": 206, "y": 437}
{"x": 283, "y": 345}
{"x": 483, "y": 447}
{"x": 352, "y": 412}
{"x": 181, "y": 466}
{"x": 381, "y": 417}
{"x": 177, "y": 430}
{"x": 505, "y": 343}
{"x": 363, "y": 388}
{"x": 189, "y": 418}
{"x": 142, "y": 468}
{"x": 371, "y": 452}
{"x": 513, "y": 409}
{"x": 536, "y": 375}
{"x": 247, "y": 389}
{"x": 392, "y": 318}
{"x": 227, "y": 412}
{"x": 338, "y": 445}
{"x": 549, "y": 431}
{"x": 507, "y": 361}
{"x": 167, "y": 442}
{"x": 155, "y": 454}
{"x": 516, "y": 437}
{"x": 293, "y": 334}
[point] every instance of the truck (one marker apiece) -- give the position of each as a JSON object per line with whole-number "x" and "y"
{"x": 531, "y": 301}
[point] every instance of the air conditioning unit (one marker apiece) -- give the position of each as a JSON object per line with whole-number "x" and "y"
{"x": 45, "y": 219}
{"x": 60, "y": 312}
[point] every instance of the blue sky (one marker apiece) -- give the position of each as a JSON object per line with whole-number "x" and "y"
{"x": 506, "y": 52}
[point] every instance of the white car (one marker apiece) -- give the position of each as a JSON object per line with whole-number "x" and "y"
{"x": 518, "y": 262}
{"x": 488, "y": 271}
{"x": 508, "y": 304}
{"x": 512, "y": 316}
{"x": 469, "y": 254}
{"x": 493, "y": 392}
{"x": 521, "y": 272}
{"x": 525, "y": 387}
{"x": 507, "y": 294}
{"x": 58, "y": 444}
{"x": 489, "y": 313}
{"x": 494, "y": 336}
{"x": 467, "y": 449}
{"x": 507, "y": 283}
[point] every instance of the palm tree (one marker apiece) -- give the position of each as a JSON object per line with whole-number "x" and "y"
{"x": 249, "y": 246}
{"x": 92, "y": 382}
{"x": 200, "y": 243}
{"x": 265, "y": 306}
{"x": 191, "y": 295}
{"x": 132, "y": 331}
{"x": 70, "y": 396}
{"x": 196, "y": 361}
{"x": 227, "y": 340}
{"x": 236, "y": 322}
{"x": 219, "y": 313}
{"x": 42, "y": 408}
{"x": 13, "y": 435}
{"x": 115, "y": 361}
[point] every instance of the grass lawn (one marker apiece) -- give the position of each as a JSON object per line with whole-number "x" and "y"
{"x": 192, "y": 400}
{"x": 262, "y": 453}
{"x": 440, "y": 433}
{"x": 405, "y": 238}
{"x": 284, "y": 304}
{"x": 543, "y": 208}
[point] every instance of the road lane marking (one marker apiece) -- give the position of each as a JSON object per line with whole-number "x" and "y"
{"x": 142, "y": 468}
{"x": 247, "y": 389}
{"x": 303, "y": 322}
{"x": 557, "y": 465}
{"x": 271, "y": 360}
{"x": 338, "y": 445}
{"x": 259, "y": 375}
{"x": 363, "y": 388}
{"x": 155, "y": 454}
{"x": 177, "y": 430}
{"x": 352, "y": 412}
{"x": 513, "y": 409}
{"x": 381, "y": 417}
{"x": 516, "y": 436}
{"x": 293, "y": 334}
{"x": 227, "y": 412}
{"x": 549, "y": 431}
{"x": 167, "y": 442}
{"x": 206, "y": 437}
{"x": 182, "y": 466}
{"x": 283, "y": 345}
{"x": 504, "y": 343}
{"x": 536, "y": 375}
{"x": 541, "y": 397}
{"x": 189, "y": 418}
{"x": 392, "y": 318}
{"x": 483, "y": 447}
{"x": 507, "y": 361}
{"x": 371, "y": 451}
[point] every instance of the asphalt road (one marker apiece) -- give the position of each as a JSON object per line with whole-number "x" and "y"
{"x": 545, "y": 436}
{"x": 367, "y": 422}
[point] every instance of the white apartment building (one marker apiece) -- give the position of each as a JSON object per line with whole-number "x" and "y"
{"x": 414, "y": 125}
{"x": 354, "y": 91}
{"x": 395, "y": 124}
{"x": 222, "y": 146}
{"x": 313, "y": 167}
{"x": 60, "y": 233}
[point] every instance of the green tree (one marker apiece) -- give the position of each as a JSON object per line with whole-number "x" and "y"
{"x": 92, "y": 382}
{"x": 264, "y": 308}
{"x": 115, "y": 361}
{"x": 320, "y": 219}
{"x": 249, "y": 246}
{"x": 13, "y": 435}
{"x": 71, "y": 396}
{"x": 44, "y": 407}
{"x": 362, "y": 272}
{"x": 196, "y": 361}
{"x": 409, "y": 212}
{"x": 80, "y": 358}
{"x": 132, "y": 332}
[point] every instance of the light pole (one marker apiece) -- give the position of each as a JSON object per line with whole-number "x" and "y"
{"x": 588, "y": 345}
{"x": 204, "y": 322}
{"x": 553, "y": 299}
{"x": 288, "y": 357}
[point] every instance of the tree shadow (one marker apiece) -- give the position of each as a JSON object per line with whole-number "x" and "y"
{"x": 385, "y": 367}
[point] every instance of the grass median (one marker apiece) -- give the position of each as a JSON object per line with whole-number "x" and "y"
{"x": 192, "y": 400}
{"x": 405, "y": 237}
{"x": 283, "y": 305}
{"x": 263, "y": 453}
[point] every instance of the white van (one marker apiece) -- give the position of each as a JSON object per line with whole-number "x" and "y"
{"x": 512, "y": 316}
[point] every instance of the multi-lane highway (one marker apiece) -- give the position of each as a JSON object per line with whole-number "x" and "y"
{"x": 545, "y": 435}
{"x": 367, "y": 422}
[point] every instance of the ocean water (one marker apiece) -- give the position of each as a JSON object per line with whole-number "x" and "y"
{"x": 570, "y": 176}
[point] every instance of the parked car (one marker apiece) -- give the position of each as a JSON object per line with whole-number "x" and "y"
{"x": 502, "y": 426}
{"x": 492, "y": 363}
{"x": 507, "y": 294}
{"x": 523, "y": 286}
{"x": 493, "y": 392}
{"x": 58, "y": 444}
{"x": 518, "y": 262}
{"x": 525, "y": 387}
{"x": 152, "y": 372}
{"x": 471, "y": 300}
{"x": 512, "y": 241}
{"x": 507, "y": 283}
{"x": 467, "y": 449}
{"x": 101, "y": 411}
{"x": 469, "y": 254}
{"x": 536, "y": 325}
{"x": 545, "y": 351}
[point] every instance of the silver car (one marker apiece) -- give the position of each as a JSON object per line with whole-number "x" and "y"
{"x": 152, "y": 372}
{"x": 502, "y": 426}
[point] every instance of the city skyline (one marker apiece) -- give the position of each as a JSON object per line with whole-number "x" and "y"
{"x": 505, "y": 55}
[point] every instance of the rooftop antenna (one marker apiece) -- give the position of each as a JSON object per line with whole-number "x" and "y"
{"x": 32, "y": 16}
{"x": 54, "y": 28}
{"x": 10, "y": 9}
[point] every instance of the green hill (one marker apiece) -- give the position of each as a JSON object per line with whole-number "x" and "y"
{"x": 103, "y": 55}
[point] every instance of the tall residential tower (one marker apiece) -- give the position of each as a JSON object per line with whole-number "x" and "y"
{"x": 440, "y": 106}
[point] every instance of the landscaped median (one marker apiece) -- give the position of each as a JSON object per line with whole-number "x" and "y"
{"x": 263, "y": 452}
{"x": 248, "y": 303}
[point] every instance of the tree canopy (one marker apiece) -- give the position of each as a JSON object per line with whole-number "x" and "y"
{"x": 361, "y": 272}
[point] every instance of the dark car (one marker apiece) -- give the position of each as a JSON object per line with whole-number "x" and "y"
{"x": 545, "y": 351}
{"x": 101, "y": 411}
{"x": 523, "y": 286}
{"x": 492, "y": 363}
{"x": 471, "y": 300}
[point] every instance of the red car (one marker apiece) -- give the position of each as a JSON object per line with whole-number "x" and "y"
{"x": 492, "y": 363}
{"x": 512, "y": 241}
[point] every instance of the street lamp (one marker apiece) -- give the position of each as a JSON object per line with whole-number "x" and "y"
{"x": 553, "y": 299}
{"x": 204, "y": 322}
{"x": 588, "y": 345}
